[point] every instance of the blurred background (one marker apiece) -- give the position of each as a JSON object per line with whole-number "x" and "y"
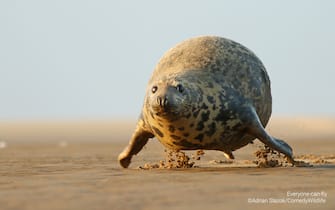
{"x": 90, "y": 60}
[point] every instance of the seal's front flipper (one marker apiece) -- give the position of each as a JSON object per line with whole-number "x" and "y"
{"x": 137, "y": 142}
{"x": 256, "y": 129}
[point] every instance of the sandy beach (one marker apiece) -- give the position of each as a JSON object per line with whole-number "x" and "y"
{"x": 73, "y": 165}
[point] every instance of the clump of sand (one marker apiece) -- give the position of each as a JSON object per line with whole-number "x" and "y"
{"x": 175, "y": 159}
{"x": 268, "y": 158}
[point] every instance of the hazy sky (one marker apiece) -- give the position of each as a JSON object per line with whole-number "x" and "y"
{"x": 70, "y": 59}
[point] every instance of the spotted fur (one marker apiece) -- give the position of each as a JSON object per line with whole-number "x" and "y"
{"x": 209, "y": 92}
{"x": 225, "y": 76}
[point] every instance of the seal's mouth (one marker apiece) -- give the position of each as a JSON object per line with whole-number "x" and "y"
{"x": 164, "y": 111}
{"x": 167, "y": 112}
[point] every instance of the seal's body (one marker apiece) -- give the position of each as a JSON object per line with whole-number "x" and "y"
{"x": 206, "y": 93}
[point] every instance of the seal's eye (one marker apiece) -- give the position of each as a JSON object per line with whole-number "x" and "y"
{"x": 180, "y": 88}
{"x": 154, "y": 89}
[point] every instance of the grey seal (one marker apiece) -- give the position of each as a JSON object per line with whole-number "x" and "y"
{"x": 207, "y": 93}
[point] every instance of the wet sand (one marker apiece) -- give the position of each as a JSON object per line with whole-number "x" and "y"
{"x": 78, "y": 169}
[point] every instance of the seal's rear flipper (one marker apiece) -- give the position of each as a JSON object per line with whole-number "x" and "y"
{"x": 282, "y": 142}
{"x": 256, "y": 129}
{"x": 229, "y": 155}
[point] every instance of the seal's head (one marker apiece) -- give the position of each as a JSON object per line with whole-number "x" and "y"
{"x": 169, "y": 98}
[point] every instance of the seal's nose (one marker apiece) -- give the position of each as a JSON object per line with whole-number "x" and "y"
{"x": 162, "y": 101}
